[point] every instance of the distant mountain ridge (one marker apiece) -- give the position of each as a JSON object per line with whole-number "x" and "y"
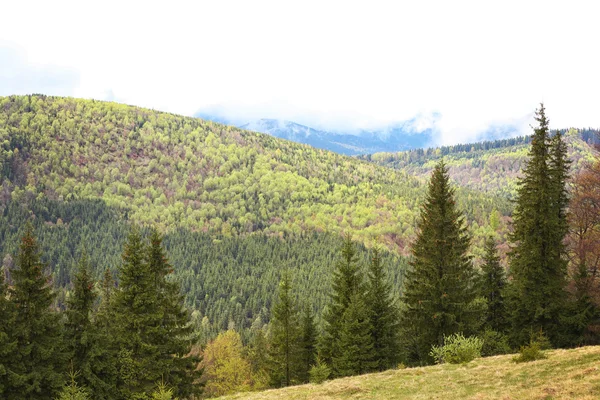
{"x": 391, "y": 139}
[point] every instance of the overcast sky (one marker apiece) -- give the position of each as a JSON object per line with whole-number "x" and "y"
{"x": 459, "y": 67}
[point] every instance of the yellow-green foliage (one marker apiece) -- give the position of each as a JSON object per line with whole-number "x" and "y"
{"x": 176, "y": 171}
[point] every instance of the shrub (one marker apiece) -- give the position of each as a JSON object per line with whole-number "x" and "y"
{"x": 534, "y": 350}
{"x": 457, "y": 349}
{"x": 320, "y": 372}
{"x": 494, "y": 343}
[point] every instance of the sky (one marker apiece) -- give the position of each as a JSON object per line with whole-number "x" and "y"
{"x": 459, "y": 68}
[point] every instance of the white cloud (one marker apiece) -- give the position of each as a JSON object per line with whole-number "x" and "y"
{"x": 337, "y": 64}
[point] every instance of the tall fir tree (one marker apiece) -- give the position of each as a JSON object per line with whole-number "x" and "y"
{"x": 80, "y": 333}
{"x": 36, "y": 371}
{"x": 537, "y": 261}
{"x": 105, "y": 353}
{"x": 383, "y": 315}
{"x": 285, "y": 337}
{"x": 493, "y": 286}
{"x": 173, "y": 334}
{"x": 7, "y": 340}
{"x": 356, "y": 355}
{"x": 348, "y": 281}
{"x": 136, "y": 312}
{"x": 308, "y": 344}
{"x": 439, "y": 293}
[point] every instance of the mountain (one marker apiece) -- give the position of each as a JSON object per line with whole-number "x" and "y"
{"x": 396, "y": 137}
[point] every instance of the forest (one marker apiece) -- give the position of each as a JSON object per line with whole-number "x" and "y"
{"x": 222, "y": 260}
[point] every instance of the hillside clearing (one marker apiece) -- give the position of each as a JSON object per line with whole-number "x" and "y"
{"x": 566, "y": 374}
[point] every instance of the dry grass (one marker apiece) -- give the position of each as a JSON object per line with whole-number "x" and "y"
{"x": 566, "y": 374}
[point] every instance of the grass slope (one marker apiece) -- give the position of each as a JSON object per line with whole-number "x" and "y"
{"x": 566, "y": 374}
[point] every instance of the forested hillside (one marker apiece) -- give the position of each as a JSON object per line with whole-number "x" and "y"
{"x": 490, "y": 167}
{"x": 179, "y": 172}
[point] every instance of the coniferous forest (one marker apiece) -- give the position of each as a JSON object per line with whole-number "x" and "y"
{"x": 152, "y": 256}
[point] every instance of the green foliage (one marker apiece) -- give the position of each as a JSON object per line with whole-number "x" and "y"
{"x": 355, "y": 354}
{"x": 38, "y": 360}
{"x": 534, "y": 350}
{"x": 440, "y": 293}
{"x": 383, "y": 315}
{"x": 494, "y": 343}
{"x": 319, "y": 372}
{"x": 493, "y": 285}
{"x": 308, "y": 344}
{"x": 457, "y": 349}
{"x": 347, "y": 285}
{"x": 538, "y": 259}
{"x": 162, "y": 392}
{"x": 73, "y": 391}
{"x": 7, "y": 342}
{"x": 285, "y": 337}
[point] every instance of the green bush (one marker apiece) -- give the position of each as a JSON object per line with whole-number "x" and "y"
{"x": 457, "y": 349}
{"x": 534, "y": 350}
{"x": 494, "y": 343}
{"x": 320, "y": 372}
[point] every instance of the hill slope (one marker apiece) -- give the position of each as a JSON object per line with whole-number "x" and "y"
{"x": 178, "y": 172}
{"x": 566, "y": 374}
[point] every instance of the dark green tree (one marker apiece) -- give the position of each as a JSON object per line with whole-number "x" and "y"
{"x": 80, "y": 334}
{"x": 136, "y": 317}
{"x": 105, "y": 353}
{"x": 347, "y": 282}
{"x": 173, "y": 332}
{"x": 493, "y": 285}
{"x": 7, "y": 341}
{"x": 285, "y": 337}
{"x": 439, "y": 293}
{"x": 383, "y": 315}
{"x": 356, "y": 355}
{"x": 39, "y": 358}
{"x": 537, "y": 261}
{"x": 308, "y": 344}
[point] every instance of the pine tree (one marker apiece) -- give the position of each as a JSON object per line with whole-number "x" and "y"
{"x": 136, "y": 312}
{"x": 285, "y": 336}
{"x": 383, "y": 315}
{"x": 36, "y": 371}
{"x": 105, "y": 353}
{"x": 356, "y": 355}
{"x": 308, "y": 344}
{"x": 493, "y": 284}
{"x": 537, "y": 262}
{"x": 7, "y": 341}
{"x": 439, "y": 293}
{"x": 80, "y": 335}
{"x": 174, "y": 331}
{"x": 347, "y": 282}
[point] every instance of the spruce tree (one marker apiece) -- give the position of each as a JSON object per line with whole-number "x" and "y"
{"x": 356, "y": 355}
{"x": 439, "y": 293}
{"x": 36, "y": 370}
{"x": 537, "y": 260}
{"x": 136, "y": 312}
{"x": 7, "y": 341}
{"x": 383, "y": 315}
{"x": 347, "y": 282}
{"x": 80, "y": 335}
{"x": 105, "y": 353}
{"x": 285, "y": 337}
{"x": 173, "y": 333}
{"x": 493, "y": 285}
{"x": 308, "y": 344}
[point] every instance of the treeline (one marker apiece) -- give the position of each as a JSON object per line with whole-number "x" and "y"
{"x": 227, "y": 281}
{"x": 129, "y": 341}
